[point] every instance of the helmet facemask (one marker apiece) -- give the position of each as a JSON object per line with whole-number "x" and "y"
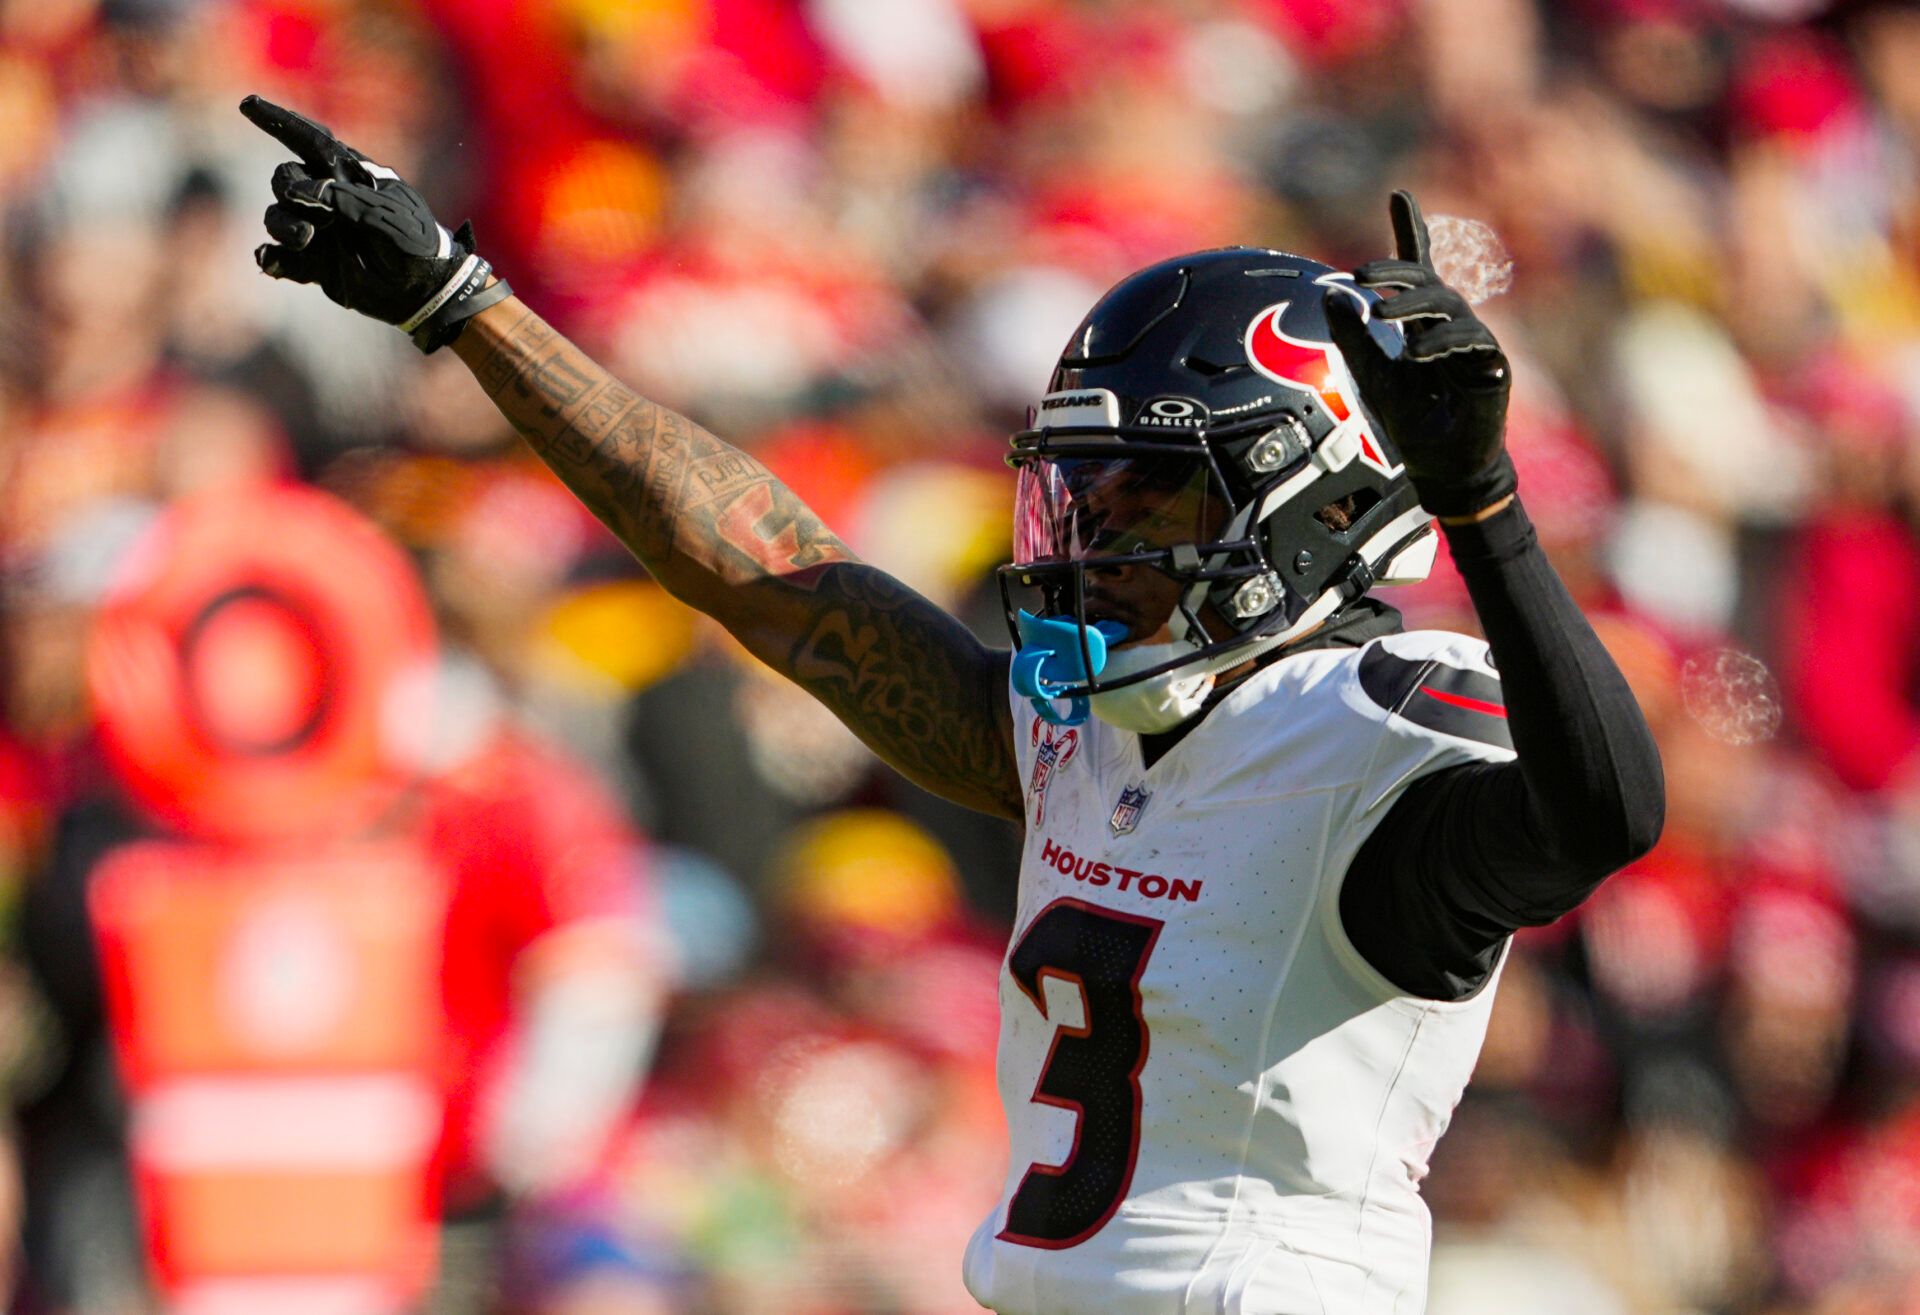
{"x": 1122, "y": 533}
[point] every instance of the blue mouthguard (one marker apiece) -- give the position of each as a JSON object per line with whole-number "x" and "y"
{"x": 1049, "y": 661}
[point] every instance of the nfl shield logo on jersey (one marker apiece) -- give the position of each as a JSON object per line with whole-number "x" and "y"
{"x": 1126, "y": 813}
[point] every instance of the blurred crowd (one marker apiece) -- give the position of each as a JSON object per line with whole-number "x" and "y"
{"x": 712, "y": 994}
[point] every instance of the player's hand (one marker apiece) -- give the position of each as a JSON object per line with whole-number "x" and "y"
{"x": 1443, "y": 400}
{"x": 364, "y": 236}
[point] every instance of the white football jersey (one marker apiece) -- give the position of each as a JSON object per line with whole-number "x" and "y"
{"x": 1215, "y": 1104}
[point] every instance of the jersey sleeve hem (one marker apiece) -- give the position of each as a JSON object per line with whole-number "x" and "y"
{"x": 1386, "y": 681}
{"x": 1377, "y": 983}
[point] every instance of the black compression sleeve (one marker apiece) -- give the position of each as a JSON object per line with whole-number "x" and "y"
{"x": 1467, "y": 855}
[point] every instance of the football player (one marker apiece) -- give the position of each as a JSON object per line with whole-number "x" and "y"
{"x": 1275, "y": 846}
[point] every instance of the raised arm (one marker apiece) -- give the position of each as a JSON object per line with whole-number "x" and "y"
{"x": 723, "y": 535}
{"x": 713, "y": 526}
{"x": 1470, "y": 854}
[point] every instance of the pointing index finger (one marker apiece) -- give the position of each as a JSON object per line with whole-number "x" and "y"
{"x": 1409, "y": 229}
{"x": 317, "y": 148}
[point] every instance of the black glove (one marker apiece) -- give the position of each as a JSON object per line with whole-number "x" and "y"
{"x": 368, "y": 239}
{"x": 1443, "y": 400}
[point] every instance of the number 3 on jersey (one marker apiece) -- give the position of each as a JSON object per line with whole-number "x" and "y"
{"x": 1093, "y": 1070}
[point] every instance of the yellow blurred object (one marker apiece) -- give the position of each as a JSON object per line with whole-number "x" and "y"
{"x": 650, "y": 21}
{"x": 938, "y": 526}
{"x": 1873, "y": 294}
{"x": 1656, "y": 268}
{"x": 603, "y": 204}
{"x": 416, "y": 499}
{"x": 28, "y": 108}
{"x": 629, "y": 633}
{"x": 870, "y": 869}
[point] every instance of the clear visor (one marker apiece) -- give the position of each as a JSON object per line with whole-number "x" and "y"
{"x": 1069, "y": 509}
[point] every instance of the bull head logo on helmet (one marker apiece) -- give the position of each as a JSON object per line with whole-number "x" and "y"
{"x": 1311, "y": 367}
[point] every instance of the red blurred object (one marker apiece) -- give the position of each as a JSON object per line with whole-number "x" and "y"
{"x": 1853, "y": 404}
{"x": 755, "y": 61}
{"x": 1102, "y": 222}
{"x": 1793, "y": 84}
{"x": 526, "y": 116}
{"x": 1850, "y": 646}
{"x": 826, "y": 466}
{"x": 531, "y": 841}
{"x": 1568, "y": 488}
{"x": 291, "y": 39}
{"x": 1657, "y": 934}
{"x": 1040, "y": 55}
{"x": 25, "y": 790}
{"x": 728, "y": 1052}
{"x": 242, "y": 669}
{"x": 768, "y": 41}
{"x": 1334, "y": 31}
{"x": 274, "y": 1019}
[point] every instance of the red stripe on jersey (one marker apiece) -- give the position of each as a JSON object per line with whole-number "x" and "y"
{"x": 1462, "y": 701}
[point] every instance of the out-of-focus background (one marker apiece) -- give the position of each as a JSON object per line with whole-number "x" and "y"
{"x": 408, "y": 907}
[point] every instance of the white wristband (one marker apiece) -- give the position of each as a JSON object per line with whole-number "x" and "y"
{"x": 445, "y": 294}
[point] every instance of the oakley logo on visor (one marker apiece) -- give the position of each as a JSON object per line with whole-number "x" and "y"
{"x": 1172, "y": 413}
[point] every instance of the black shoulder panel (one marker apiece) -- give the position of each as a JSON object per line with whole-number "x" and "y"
{"x": 1429, "y": 693}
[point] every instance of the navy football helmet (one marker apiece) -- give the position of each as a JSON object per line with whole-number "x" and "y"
{"x": 1202, "y": 483}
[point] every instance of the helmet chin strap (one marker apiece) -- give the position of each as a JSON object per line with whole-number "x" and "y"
{"x": 1163, "y": 702}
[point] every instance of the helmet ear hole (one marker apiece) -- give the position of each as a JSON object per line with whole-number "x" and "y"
{"x": 1342, "y": 514}
{"x": 1338, "y": 515}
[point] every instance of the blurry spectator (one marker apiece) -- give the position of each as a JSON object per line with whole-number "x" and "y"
{"x": 1851, "y": 651}
{"x": 551, "y": 990}
{"x": 256, "y": 796}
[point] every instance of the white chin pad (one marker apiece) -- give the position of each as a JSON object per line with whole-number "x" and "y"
{"x": 1158, "y": 704}
{"x": 1412, "y": 564}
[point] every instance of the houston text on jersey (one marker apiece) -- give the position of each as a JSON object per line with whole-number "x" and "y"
{"x": 1149, "y": 884}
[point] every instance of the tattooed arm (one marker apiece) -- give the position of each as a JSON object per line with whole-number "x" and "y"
{"x": 723, "y": 535}
{"x": 709, "y": 521}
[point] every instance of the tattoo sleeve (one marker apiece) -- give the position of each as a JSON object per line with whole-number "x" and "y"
{"x": 722, "y": 534}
